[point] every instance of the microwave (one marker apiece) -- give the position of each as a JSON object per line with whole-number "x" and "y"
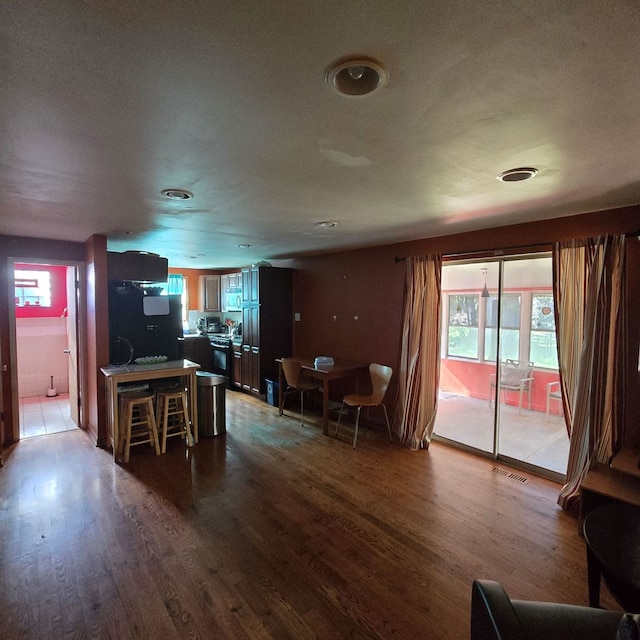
{"x": 233, "y": 299}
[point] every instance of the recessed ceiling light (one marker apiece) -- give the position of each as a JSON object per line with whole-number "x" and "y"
{"x": 356, "y": 76}
{"x": 177, "y": 194}
{"x": 326, "y": 224}
{"x": 517, "y": 175}
{"x": 243, "y": 246}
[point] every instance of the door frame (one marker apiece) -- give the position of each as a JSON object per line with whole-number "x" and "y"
{"x": 80, "y": 304}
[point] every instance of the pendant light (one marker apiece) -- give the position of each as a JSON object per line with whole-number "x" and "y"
{"x": 485, "y": 292}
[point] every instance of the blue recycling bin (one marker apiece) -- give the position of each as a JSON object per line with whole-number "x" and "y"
{"x": 273, "y": 392}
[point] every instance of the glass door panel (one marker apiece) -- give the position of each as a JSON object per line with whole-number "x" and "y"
{"x": 499, "y": 362}
{"x": 464, "y": 414}
{"x": 526, "y": 431}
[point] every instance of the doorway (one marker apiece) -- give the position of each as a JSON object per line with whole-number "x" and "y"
{"x": 46, "y": 346}
{"x": 499, "y": 367}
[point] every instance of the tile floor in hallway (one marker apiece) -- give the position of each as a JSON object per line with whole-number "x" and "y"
{"x": 42, "y": 415}
{"x": 529, "y": 436}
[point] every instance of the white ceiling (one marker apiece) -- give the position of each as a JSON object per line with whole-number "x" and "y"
{"x": 105, "y": 103}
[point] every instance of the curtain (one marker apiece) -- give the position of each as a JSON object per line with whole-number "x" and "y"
{"x": 175, "y": 284}
{"x": 588, "y": 282}
{"x": 420, "y": 357}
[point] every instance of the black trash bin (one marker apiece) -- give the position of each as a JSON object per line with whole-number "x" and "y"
{"x": 273, "y": 392}
{"x": 211, "y": 404}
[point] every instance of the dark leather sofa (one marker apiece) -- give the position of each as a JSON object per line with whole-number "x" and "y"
{"x": 494, "y": 616}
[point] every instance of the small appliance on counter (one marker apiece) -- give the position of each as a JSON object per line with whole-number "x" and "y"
{"x": 213, "y": 325}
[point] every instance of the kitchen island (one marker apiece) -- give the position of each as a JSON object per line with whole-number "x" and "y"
{"x": 120, "y": 374}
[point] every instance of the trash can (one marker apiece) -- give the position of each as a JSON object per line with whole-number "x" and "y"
{"x": 211, "y": 404}
{"x": 273, "y": 392}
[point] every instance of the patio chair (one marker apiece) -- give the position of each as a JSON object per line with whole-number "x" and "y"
{"x": 553, "y": 393}
{"x": 514, "y": 376}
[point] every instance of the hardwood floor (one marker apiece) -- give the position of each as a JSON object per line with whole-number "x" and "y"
{"x": 270, "y": 531}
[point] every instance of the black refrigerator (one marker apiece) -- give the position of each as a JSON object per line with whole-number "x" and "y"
{"x": 143, "y": 325}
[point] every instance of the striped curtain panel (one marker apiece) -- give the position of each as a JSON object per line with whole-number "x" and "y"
{"x": 588, "y": 281}
{"x": 420, "y": 358}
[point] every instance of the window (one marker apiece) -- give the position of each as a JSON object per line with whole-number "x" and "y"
{"x": 32, "y": 288}
{"x": 463, "y": 326}
{"x": 510, "y": 320}
{"x": 176, "y": 285}
{"x": 542, "y": 340}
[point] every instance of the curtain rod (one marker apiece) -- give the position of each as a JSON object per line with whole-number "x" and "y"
{"x": 495, "y": 253}
{"x": 488, "y": 253}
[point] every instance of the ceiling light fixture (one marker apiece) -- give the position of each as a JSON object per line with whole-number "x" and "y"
{"x": 517, "y": 175}
{"x": 356, "y": 76}
{"x": 177, "y": 194}
{"x": 326, "y": 224}
{"x": 243, "y": 246}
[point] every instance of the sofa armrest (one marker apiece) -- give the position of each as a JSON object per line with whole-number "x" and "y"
{"x": 494, "y": 616}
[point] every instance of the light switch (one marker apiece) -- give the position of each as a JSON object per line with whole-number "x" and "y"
{"x": 296, "y": 317}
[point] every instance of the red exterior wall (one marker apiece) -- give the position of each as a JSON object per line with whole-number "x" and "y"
{"x": 472, "y": 379}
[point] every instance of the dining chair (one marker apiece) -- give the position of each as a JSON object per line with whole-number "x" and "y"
{"x": 380, "y": 377}
{"x": 296, "y": 383}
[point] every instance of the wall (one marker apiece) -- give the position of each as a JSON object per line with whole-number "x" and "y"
{"x": 40, "y": 344}
{"x": 350, "y": 306}
{"x": 97, "y": 331}
{"x": 331, "y": 290}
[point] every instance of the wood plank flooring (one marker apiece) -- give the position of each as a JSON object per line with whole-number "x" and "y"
{"x": 270, "y": 531}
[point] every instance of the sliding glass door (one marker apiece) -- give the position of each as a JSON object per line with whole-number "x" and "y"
{"x": 499, "y": 366}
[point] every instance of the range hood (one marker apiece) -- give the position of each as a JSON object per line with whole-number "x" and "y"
{"x": 137, "y": 266}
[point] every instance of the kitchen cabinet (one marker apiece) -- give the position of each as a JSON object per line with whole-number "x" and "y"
{"x": 267, "y": 324}
{"x": 198, "y": 349}
{"x": 209, "y": 293}
{"x": 250, "y": 284}
{"x": 236, "y": 368}
{"x": 229, "y": 281}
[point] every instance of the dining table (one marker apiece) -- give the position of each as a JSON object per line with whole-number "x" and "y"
{"x": 137, "y": 373}
{"x": 341, "y": 368}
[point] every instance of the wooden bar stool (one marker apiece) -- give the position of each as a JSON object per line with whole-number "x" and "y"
{"x": 137, "y": 423}
{"x": 172, "y": 415}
